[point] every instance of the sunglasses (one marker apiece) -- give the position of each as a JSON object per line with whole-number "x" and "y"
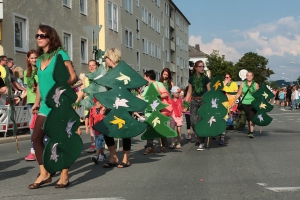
{"x": 227, "y": 77}
{"x": 42, "y": 36}
{"x": 199, "y": 66}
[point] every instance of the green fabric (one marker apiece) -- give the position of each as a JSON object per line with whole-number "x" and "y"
{"x": 46, "y": 80}
{"x": 167, "y": 87}
{"x": 249, "y": 96}
{"x": 212, "y": 112}
{"x": 262, "y": 106}
{"x": 119, "y": 122}
{"x": 64, "y": 145}
{"x": 205, "y": 81}
{"x": 30, "y": 94}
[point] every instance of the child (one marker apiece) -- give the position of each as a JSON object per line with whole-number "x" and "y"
{"x": 96, "y": 115}
{"x": 177, "y": 117}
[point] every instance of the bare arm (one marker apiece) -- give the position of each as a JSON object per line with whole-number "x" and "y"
{"x": 80, "y": 93}
{"x": 37, "y": 100}
{"x": 72, "y": 78}
{"x": 208, "y": 86}
{"x": 239, "y": 93}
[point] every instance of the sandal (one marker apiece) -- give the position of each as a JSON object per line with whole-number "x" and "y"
{"x": 110, "y": 164}
{"x": 123, "y": 165}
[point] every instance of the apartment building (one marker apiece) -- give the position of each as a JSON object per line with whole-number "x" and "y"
{"x": 151, "y": 34}
{"x": 19, "y": 20}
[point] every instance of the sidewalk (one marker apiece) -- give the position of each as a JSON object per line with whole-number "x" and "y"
{"x": 10, "y": 139}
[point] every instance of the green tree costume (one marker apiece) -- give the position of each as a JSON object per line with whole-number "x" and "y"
{"x": 93, "y": 86}
{"x": 212, "y": 112}
{"x": 156, "y": 120}
{"x": 119, "y": 123}
{"x": 64, "y": 145}
{"x": 262, "y": 106}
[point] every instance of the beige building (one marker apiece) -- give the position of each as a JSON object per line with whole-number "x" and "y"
{"x": 20, "y": 20}
{"x": 152, "y": 34}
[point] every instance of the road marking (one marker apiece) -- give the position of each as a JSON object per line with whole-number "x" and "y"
{"x": 286, "y": 113}
{"x": 280, "y": 121}
{"x": 109, "y": 198}
{"x": 291, "y": 119}
{"x": 262, "y": 184}
{"x": 283, "y": 189}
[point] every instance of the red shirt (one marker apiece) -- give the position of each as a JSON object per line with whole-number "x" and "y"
{"x": 96, "y": 115}
{"x": 177, "y": 107}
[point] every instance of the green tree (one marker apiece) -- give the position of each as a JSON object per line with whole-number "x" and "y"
{"x": 272, "y": 84}
{"x": 256, "y": 64}
{"x": 218, "y": 65}
{"x": 298, "y": 80}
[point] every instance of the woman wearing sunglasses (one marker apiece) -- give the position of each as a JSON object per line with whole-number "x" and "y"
{"x": 230, "y": 88}
{"x": 48, "y": 47}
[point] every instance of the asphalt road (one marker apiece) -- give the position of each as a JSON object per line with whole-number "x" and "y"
{"x": 266, "y": 167}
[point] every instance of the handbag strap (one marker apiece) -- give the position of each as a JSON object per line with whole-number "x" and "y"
{"x": 244, "y": 95}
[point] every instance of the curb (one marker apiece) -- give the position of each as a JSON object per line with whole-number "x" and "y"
{"x": 11, "y": 139}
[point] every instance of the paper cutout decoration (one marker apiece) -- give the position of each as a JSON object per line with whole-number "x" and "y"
{"x": 93, "y": 86}
{"x": 64, "y": 145}
{"x": 157, "y": 122}
{"x": 119, "y": 123}
{"x": 212, "y": 112}
{"x": 262, "y": 106}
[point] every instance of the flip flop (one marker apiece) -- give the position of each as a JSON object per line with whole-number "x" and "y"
{"x": 123, "y": 165}
{"x": 110, "y": 164}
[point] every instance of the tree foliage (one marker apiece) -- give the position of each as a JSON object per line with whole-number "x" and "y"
{"x": 256, "y": 64}
{"x": 250, "y": 61}
{"x": 218, "y": 65}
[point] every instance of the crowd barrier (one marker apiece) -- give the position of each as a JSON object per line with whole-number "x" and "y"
{"x": 22, "y": 116}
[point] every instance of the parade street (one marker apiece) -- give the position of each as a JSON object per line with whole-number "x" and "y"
{"x": 266, "y": 167}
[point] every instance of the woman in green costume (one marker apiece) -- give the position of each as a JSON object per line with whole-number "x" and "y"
{"x": 48, "y": 46}
{"x": 248, "y": 87}
{"x": 199, "y": 84}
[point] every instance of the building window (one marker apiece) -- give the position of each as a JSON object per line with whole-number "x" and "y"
{"x": 67, "y": 3}
{"x": 113, "y": 16}
{"x": 67, "y": 39}
{"x": 128, "y": 6}
{"x": 128, "y": 38}
{"x": 145, "y": 15}
{"x": 138, "y": 60}
{"x": 158, "y": 26}
{"x": 167, "y": 33}
{"x": 167, "y": 9}
{"x": 157, "y": 2}
{"x": 145, "y": 46}
{"x": 84, "y": 50}
{"x": 158, "y": 52}
{"x": 152, "y": 49}
{"x": 137, "y": 3}
{"x": 137, "y": 21}
{"x": 83, "y": 7}
{"x": 167, "y": 56}
{"x": 20, "y": 29}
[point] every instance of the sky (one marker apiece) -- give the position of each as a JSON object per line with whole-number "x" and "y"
{"x": 270, "y": 28}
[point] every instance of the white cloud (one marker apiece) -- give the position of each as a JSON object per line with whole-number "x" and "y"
{"x": 216, "y": 44}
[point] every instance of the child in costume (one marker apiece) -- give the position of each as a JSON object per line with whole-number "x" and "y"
{"x": 177, "y": 117}
{"x": 96, "y": 115}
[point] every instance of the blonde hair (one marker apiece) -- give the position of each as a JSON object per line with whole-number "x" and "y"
{"x": 18, "y": 72}
{"x": 114, "y": 54}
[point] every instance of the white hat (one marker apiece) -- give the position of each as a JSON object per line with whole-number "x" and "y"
{"x": 175, "y": 89}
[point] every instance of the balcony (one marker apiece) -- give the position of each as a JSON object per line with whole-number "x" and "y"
{"x": 172, "y": 25}
{"x": 172, "y": 46}
{"x": 172, "y": 67}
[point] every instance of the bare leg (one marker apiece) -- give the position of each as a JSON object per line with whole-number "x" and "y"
{"x": 64, "y": 177}
{"x": 179, "y": 134}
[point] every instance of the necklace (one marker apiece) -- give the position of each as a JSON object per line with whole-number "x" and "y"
{"x": 198, "y": 83}
{"x": 48, "y": 56}
{"x": 31, "y": 79}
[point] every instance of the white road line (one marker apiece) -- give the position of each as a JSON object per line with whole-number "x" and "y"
{"x": 283, "y": 189}
{"x": 280, "y": 121}
{"x": 109, "y": 198}
{"x": 262, "y": 184}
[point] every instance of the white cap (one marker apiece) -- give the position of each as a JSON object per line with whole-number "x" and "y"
{"x": 175, "y": 89}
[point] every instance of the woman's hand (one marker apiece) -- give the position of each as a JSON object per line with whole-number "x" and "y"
{"x": 34, "y": 108}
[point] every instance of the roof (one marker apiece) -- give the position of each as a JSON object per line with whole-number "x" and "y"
{"x": 193, "y": 52}
{"x": 177, "y": 9}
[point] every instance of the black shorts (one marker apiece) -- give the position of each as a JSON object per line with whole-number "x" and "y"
{"x": 188, "y": 121}
{"x": 249, "y": 111}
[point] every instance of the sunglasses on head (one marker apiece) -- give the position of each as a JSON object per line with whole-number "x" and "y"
{"x": 42, "y": 36}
